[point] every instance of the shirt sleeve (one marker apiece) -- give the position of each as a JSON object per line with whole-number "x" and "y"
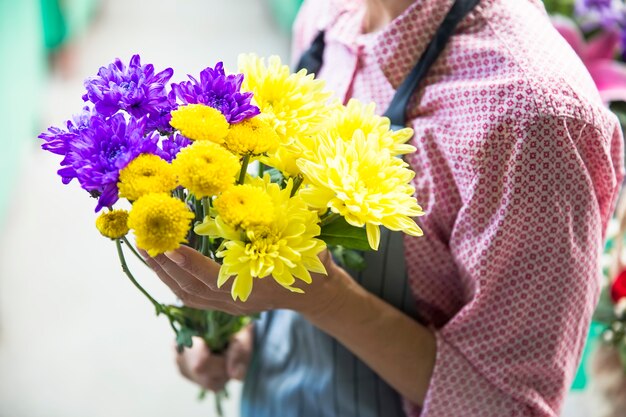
{"x": 529, "y": 238}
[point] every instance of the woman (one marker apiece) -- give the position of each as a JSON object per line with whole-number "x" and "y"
{"x": 518, "y": 165}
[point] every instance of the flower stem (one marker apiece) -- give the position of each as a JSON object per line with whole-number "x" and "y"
{"x": 297, "y": 182}
{"x": 244, "y": 169}
{"x": 132, "y": 249}
{"x": 219, "y": 396}
{"x": 329, "y": 219}
{"x": 205, "y": 247}
{"x": 120, "y": 253}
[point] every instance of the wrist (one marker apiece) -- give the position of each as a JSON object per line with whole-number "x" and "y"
{"x": 330, "y": 295}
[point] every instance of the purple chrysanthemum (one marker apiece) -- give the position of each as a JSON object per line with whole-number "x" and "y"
{"x": 220, "y": 91}
{"x": 160, "y": 121}
{"x": 595, "y": 4}
{"x": 172, "y": 145}
{"x": 135, "y": 89}
{"x": 605, "y": 14}
{"x": 95, "y": 153}
{"x": 57, "y": 139}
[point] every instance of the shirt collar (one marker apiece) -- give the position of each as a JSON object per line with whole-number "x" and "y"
{"x": 398, "y": 46}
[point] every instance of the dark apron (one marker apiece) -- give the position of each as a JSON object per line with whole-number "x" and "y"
{"x": 299, "y": 371}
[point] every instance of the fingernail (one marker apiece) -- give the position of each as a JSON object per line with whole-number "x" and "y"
{"x": 175, "y": 256}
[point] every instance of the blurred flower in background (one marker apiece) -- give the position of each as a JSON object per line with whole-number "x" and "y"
{"x": 596, "y": 30}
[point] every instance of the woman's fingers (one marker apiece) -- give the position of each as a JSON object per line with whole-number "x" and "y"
{"x": 201, "y": 366}
{"x": 196, "y": 264}
{"x": 187, "y": 281}
{"x": 239, "y": 354}
{"x": 191, "y": 291}
{"x": 189, "y": 299}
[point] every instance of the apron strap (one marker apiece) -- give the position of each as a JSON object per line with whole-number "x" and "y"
{"x": 312, "y": 58}
{"x": 396, "y": 112}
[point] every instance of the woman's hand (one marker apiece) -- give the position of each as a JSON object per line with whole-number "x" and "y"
{"x": 211, "y": 371}
{"x": 395, "y": 346}
{"x": 193, "y": 278}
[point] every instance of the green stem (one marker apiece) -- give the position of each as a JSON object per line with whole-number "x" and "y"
{"x": 198, "y": 210}
{"x": 329, "y": 219}
{"x": 219, "y": 396}
{"x": 205, "y": 246}
{"x": 297, "y": 182}
{"x": 120, "y": 253}
{"x": 132, "y": 249}
{"x": 180, "y": 194}
{"x": 244, "y": 169}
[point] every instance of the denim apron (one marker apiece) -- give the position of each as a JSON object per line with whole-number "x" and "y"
{"x": 298, "y": 370}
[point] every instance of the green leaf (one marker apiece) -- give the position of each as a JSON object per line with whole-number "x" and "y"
{"x": 276, "y": 176}
{"x": 183, "y": 337}
{"x": 354, "y": 260}
{"x": 564, "y": 7}
{"x": 202, "y": 395}
{"x": 348, "y": 258}
{"x": 341, "y": 233}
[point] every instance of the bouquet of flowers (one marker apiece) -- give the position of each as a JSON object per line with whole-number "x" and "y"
{"x": 169, "y": 163}
{"x": 596, "y": 30}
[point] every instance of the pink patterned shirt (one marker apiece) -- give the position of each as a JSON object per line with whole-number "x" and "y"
{"x": 518, "y": 166}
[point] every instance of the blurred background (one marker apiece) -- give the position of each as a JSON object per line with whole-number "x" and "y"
{"x": 76, "y": 339}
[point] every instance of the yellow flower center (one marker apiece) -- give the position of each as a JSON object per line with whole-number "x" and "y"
{"x": 245, "y": 206}
{"x": 160, "y": 223}
{"x": 113, "y": 224}
{"x": 206, "y": 169}
{"x": 252, "y": 137}
{"x": 200, "y": 122}
{"x": 146, "y": 174}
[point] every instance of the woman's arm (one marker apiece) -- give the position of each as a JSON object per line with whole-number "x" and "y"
{"x": 399, "y": 349}
{"x": 396, "y": 347}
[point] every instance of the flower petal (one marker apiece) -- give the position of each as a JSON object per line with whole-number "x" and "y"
{"x": 610, "y": 78}
{"x": 373, "y": 235}
{"x": 242, "y": 287}
{"x": 602, "y": 46}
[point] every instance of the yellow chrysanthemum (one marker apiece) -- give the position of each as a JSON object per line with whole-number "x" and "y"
{"x": 205, "y": 168}
{"x": 113, "y": 224}
{"x": 286, "y": 249}
{"x": 160, "y": 223}
{"x": 251, "y": 137}
{"x": 200, "y": 122}
{"x": 295, "y": 104}
{"x": 146, "y": 174}
{"x": 346, "y": 120}
{"x": 245, "y": 206}
{"x": 367, "y": 186}
{"x": 284, "y": 159}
